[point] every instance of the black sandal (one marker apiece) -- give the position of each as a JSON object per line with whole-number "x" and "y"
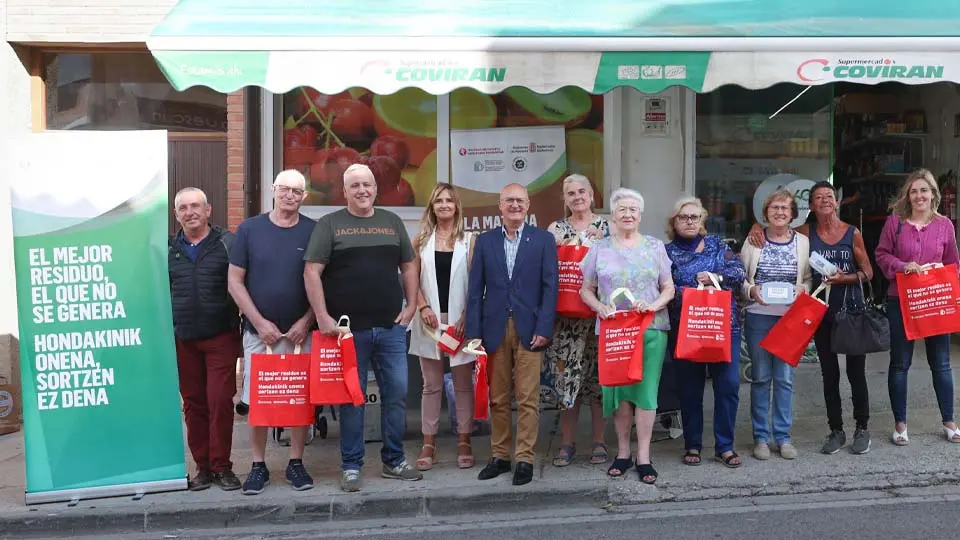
{"x": 645, "y": 470}
{"x": 728, "y": 461}
{"x": 622, "y": 465}
{"x": 692, "y": 458}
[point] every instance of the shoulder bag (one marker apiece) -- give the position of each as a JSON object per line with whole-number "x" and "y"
{"x": 860, "y": 331}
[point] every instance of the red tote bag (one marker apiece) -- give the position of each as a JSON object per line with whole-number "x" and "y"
{"x": 481, "y": 380}
{"x": 280, "y": 390}
{"x": 704, "y": 334}
{"x": 570, "y": 280}
{"x": 790, "y": 336}
{"x": 334, "y": 377}
{"x": 928, "y": 301}
{"x": 620, "y": 361}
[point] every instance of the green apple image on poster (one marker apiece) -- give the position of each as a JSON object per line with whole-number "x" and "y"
{"x": 100, "y": 392}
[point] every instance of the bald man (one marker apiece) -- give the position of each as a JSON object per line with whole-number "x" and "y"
{"x": 511, "y": 304}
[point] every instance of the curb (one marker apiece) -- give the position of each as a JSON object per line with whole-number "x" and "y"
{"x": 246, "y": 511}
{"x": 146, "y": 517}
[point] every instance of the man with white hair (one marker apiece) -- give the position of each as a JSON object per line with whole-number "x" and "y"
{"x": 351, "y": 270}
{"x": 206, "y": 326}
{"x": 266, "y": 281}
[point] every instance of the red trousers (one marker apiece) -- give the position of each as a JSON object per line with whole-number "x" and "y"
{"x": 208, "y": 382}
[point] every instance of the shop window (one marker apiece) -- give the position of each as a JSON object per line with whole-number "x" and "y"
{"x": 395, "y": 134}
{"x": 120, "y": 91}
{"x": 481, "y": 162}
{"x": 746, "y": 149}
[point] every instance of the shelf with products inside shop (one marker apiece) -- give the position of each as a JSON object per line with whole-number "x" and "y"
{"x": 878, "y": 177}
{"x": 889, "y": 137}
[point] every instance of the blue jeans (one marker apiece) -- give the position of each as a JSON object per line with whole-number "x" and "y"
{"x": 767, "y": 368}
{"x": 385, "y": 350}
{"x": 901, "y": 357}
{"x": 691, "y": 377}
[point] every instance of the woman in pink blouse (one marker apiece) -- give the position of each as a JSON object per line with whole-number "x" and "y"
{"x": 915, "y": 234}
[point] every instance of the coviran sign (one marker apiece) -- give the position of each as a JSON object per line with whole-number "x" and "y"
{"x": 820, "y": 69}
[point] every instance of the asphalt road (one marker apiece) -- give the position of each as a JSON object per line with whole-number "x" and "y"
{"x": 867, "y": 515}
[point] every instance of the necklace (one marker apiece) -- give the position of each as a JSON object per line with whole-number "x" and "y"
{"x": 444, "y": 238}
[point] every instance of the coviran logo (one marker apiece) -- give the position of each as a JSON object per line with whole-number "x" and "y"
{"x": 434, "y": 71}
{"x": 819, "y": 69}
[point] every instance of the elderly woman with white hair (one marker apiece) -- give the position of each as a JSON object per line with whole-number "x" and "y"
{"x": 695, "y": 256}
{"x": 570, "y": 362}
{"x": 639, "y": 263}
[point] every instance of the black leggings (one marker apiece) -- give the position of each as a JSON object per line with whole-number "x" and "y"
{"x": 856, "y": 374}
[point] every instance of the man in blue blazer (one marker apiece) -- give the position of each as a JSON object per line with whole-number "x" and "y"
{"x": 511, "y": 304}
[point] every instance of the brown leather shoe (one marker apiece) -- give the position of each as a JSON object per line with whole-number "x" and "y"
{"x": 201, "y": 481}
{"x": 227, "y": 480}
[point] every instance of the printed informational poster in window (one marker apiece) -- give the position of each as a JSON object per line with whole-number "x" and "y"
{"x": 101, "y": 404}
{"x": 484, "y": 161}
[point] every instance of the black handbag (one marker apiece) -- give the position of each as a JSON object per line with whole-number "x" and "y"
{"x": 860, "y": 330}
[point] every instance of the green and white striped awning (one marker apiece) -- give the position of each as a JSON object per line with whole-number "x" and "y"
{"x": 491, "y": 45}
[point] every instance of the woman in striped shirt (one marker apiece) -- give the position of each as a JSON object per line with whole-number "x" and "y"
{"x": 782, "y": 259}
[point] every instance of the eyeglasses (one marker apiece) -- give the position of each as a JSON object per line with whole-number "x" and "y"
{"x": 779, "y": 208}
{"x": 284, "y": 190}
{"x": 514, "y": 200}
{"x": 688, "y": 218}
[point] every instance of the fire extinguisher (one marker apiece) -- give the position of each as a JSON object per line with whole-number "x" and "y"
{"x": 950, "y": 196}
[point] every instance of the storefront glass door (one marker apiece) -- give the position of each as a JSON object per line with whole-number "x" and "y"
{"x": 750, "y": 142}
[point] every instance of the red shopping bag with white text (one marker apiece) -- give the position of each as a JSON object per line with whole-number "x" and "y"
{"x": 280, "y": 389}
{"x": 620, "y": 361}
{"x": 570, "y": 279}
{"x": 334, "y": 377}
{"x": 481, "y": 380}
{"x": 928, "y": 301}
{"x": 790, "y": 336}
{"x": 704, "y": 334}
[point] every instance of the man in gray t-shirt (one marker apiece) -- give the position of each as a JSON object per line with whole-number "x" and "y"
{"x": 351, "y": 269}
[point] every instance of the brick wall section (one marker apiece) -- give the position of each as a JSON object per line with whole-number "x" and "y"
{"x": 236, "y": 203}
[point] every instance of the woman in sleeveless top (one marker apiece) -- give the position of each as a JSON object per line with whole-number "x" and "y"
{"x": 569, "y": 375}
{"x": 443, "y": 252}
{"x": 842, "y": 245}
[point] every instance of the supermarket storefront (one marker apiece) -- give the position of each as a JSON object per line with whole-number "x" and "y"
{"x": 641, "y": 95}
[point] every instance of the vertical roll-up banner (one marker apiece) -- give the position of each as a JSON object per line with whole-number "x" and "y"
{"x": 101, "y": 403}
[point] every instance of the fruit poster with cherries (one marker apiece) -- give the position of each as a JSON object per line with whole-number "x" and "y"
{"x": 396, "y": 136}
{"x": 484, "y": 161}
{"x": 101, "y": 403}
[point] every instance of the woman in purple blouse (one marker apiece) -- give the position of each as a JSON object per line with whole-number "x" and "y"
{"x": 915, "y": 234}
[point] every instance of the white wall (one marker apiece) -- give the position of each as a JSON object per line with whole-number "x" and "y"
{"x": 654, "y": 165}
{"x": 14, "y": 121}
{"x": 84, "y": 21}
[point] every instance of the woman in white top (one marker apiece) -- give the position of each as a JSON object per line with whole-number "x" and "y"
{"x": 444, "y": 252}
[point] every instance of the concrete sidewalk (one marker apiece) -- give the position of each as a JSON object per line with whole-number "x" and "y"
{"x": 929, "y": 460}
